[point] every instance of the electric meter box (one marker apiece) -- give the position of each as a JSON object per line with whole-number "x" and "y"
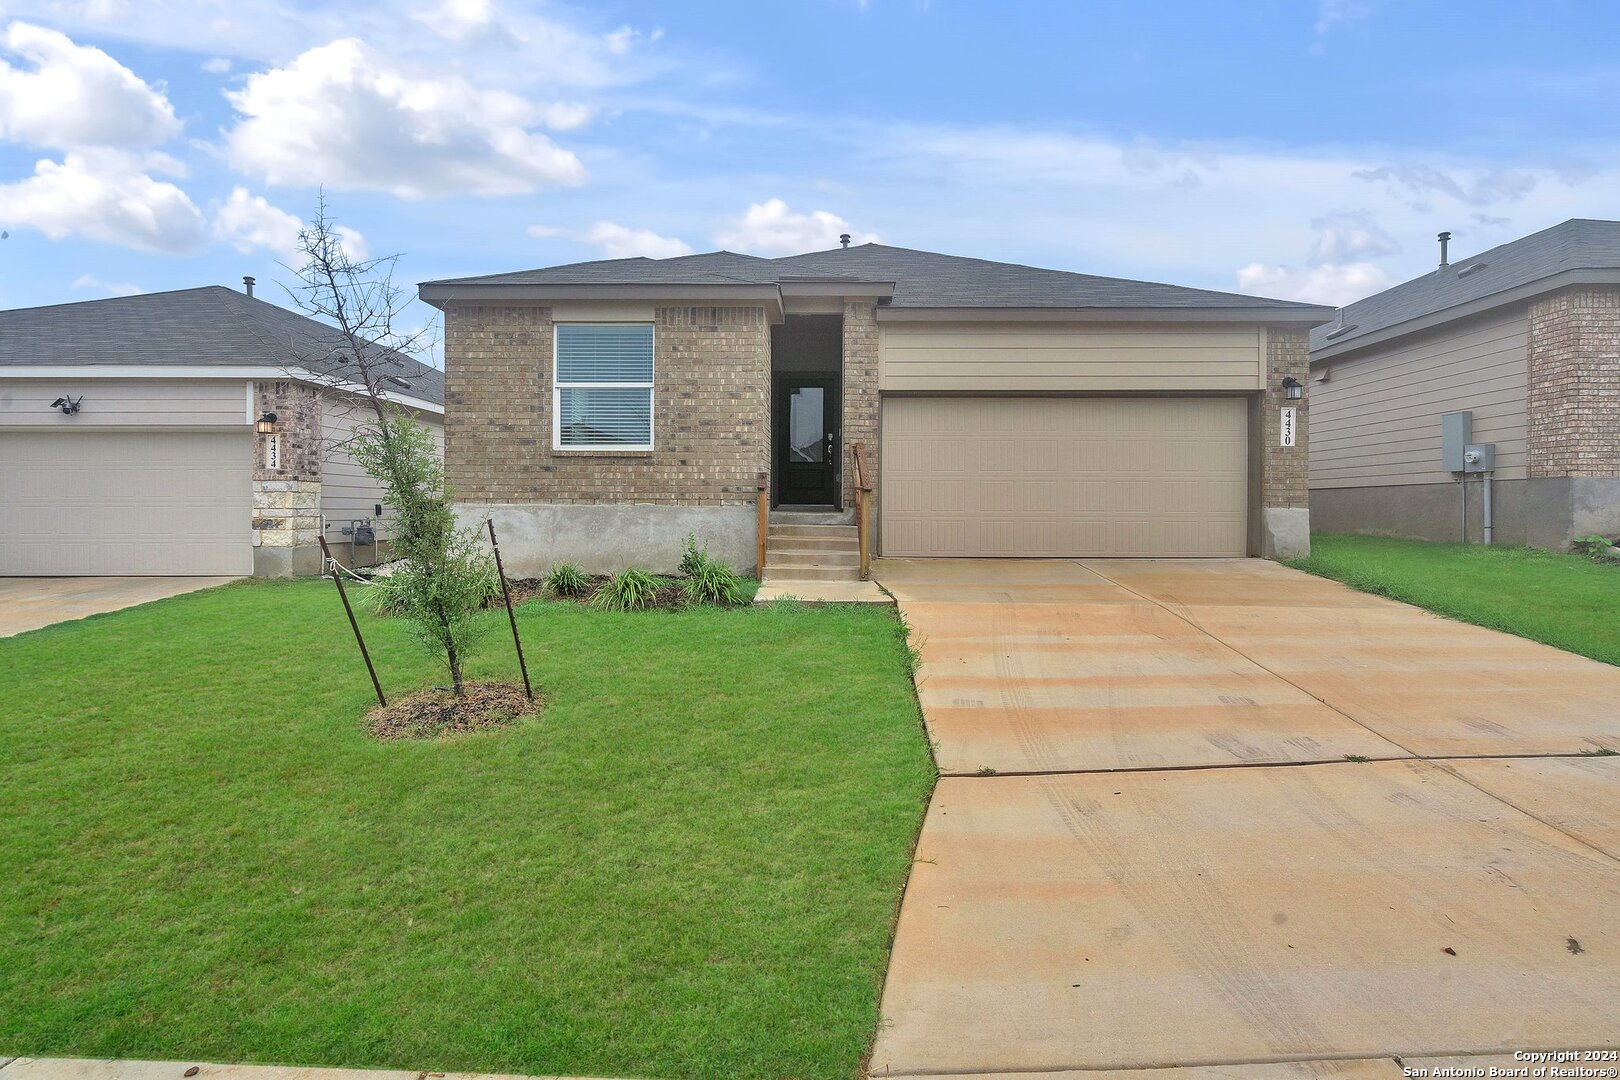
{"x": 1456, "y": 429}
{"x": 1479, "y": 457}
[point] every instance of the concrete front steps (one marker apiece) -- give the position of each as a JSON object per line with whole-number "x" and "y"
{"x": 812, "y": 558}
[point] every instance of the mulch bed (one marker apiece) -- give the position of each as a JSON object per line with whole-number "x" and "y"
{"x": 669, "y": 594}
{"x": 430, "y": 714}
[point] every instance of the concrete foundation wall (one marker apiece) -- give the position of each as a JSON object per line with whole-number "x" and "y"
{"x": 605, "y": 538}
{"x": 1285, "y": 532}
{"x": 1528, "y": 512}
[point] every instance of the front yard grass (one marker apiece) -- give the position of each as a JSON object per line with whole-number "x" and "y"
{"x": 686, "y": 865}
{"x": 1567, "y": 601}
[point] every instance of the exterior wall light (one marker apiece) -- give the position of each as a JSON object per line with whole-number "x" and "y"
{"x": 266, "y": 424}
{"x": 1293, "y": 389}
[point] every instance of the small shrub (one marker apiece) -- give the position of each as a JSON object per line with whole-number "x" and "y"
{"x": 566, "y": 579}
{"x": 693, "y": 560}
{"x": 712, "y": 583}
{"x": 628, "y": 590}
{"x": 1594, "y": 547}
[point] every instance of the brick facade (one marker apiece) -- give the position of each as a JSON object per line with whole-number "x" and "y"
{"x": 1573, "y": 393}
{"x": 1284, "y": 477}
{"x": 711, "y": 411}
{"x": 861, "y": 409}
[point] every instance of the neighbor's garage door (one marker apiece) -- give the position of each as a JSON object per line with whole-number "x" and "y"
{"x": 160, "y": 502}
{"x": 1027, "y": 476}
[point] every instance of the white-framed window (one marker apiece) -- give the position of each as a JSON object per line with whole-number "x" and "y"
{"x": 602, "y": 389}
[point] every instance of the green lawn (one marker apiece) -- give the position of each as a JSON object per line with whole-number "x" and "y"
{"x": 687, "y": 865}
{"x": 1563, "y": 600}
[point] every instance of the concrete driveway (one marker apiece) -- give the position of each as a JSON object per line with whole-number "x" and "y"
{"x": 29, "y": 603}
{"x": 1151, "y": 850}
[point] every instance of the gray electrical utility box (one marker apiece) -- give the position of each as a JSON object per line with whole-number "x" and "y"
{"x": 1456, "y": 428}
{"x": 1479, "y": 457}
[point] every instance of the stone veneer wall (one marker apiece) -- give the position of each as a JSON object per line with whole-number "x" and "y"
{"x": 861, "y": 405}
{"x": 1573, "y": 393}
{"x": 1284, "y": 520}
{"x": 287, "y": 501}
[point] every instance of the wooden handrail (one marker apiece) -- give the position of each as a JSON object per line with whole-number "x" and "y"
{"x": 863, "y": 508}
{"x": 764, "y": 519}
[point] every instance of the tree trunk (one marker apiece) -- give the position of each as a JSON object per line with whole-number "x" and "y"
{"x": 455, "y": 671}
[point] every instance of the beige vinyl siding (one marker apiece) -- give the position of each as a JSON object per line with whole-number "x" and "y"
{"x": 1067, "y": 357}
{"x": 347, "y": 491}
{"x": 1064, "y": 476}
{"x": 125, "y": 403}
{"x": 1376, "y": 421}
{"x": 125, "y": 502}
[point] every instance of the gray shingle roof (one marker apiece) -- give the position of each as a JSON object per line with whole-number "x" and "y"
{"x": 923, "y": 279}
{"x": 1576, "y": 244}
{"x": 212, "y": 326}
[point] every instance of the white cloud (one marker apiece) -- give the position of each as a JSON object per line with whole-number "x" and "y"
{"x": 771, "y": 228}
{"x": 70, "y": 96}
{"x": 1334, "y": 284}
{"x": 248, "y": 222}
{"x": 217, "y": 65}
{"x": 1350, "y": 235}
{"x": 107, "y": 288}
{"x": 567, "y": 115}
{"x": 619, "y": 242}
{"x": 465, "y": 21}
{"x": 545, "y": 232}
{"x": 104, "y": 195}
{"x": 342, "y": 116}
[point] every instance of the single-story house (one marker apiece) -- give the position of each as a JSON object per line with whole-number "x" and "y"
{"x": 602, "y": 410}
{"x": 1524, "y": 337}
{"x": 130, "y": 441}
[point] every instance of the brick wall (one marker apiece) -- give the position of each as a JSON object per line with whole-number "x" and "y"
{"x": 861, "y": 408}
{"x": 1284, "y": 479}
{"x": 1573, "y": 396}
{"x": 711, "y": 411}
{"x": 298, "y": 421}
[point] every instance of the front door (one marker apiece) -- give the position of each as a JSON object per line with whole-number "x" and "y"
{"x": 807, "y": 450}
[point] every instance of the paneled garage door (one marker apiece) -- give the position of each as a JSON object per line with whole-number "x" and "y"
{"x": 1064, "y": 477}
{"x": 126, "y": 502}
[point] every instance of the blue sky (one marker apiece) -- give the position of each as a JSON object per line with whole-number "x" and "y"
{"x": 1306, "y": 150}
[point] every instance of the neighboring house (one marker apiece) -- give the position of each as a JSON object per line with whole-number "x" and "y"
{"x": 1526, "y": 337}
{"x": 602, "y": 410}
{"x": 128, "y": 442}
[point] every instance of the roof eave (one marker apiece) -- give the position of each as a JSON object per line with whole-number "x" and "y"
{"x": 440, "y": 293}
{"x": 1300, "y": 315}
{"x": 880, "y": 290}
{"x": 1519, "y": 294}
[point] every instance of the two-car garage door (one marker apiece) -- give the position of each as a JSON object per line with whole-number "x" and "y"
{"x": 1064, "y": 476}
{"x": 126, "y": 502}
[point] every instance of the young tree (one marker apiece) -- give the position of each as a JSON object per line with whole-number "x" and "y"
{"x": 443, "y": 576}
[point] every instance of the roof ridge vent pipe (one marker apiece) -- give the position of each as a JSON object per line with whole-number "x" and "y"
{"x": 247, "y": 284}
{"x": 1445, "y": 238}
{"x": 843, "y": 239}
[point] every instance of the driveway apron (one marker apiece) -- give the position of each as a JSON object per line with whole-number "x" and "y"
{"x": 1187, "y": 827}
